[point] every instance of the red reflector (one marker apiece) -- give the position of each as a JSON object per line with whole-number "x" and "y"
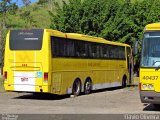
{"x": 140, "y": 86}
{"x": 5, "y": 75}
{"x": 45, "y": 76}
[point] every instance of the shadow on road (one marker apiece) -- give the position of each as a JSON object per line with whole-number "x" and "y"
{"x": 106, "y": 89}
{"x": 114, "y": 88}
{"x": 42, "y": 96}
{"x": 151, "y": 107}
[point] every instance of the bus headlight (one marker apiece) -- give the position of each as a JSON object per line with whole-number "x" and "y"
{"x": 150, "y": 86}
{"x": 144, "y": 86}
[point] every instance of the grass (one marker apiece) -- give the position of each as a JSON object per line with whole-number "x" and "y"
{"x": 134, "y": 86}
{"x": 1, "y": 84}
{"x": 1, "y": 81}
{"x": 39, "y": 14}
{"x": 136, "y": 80}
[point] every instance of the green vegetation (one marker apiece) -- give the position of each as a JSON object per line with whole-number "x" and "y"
{"x": 116, "y": 20}
{"x": 1, "y": 81}
{"x": 1, "y": 84}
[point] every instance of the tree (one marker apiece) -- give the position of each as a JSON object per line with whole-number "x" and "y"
{"x": 114, "y": 20}
{"x": 42, "y": 1}
{"x": 26, "y": 16}
{"x": 29, "y": 22}
{"x": 85, "y": 16}
{"x": 6, "y": 7}
{"x": 50, "y": 3}
{"x": 26, "y": 2}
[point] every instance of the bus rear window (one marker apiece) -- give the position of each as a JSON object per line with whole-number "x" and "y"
{"x": 26, "y": 39}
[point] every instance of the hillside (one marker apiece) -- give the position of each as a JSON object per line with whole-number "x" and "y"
{"x": 115, "y": 20}
{"x": 39, "y": 14}
{"x": 33, "y": 16}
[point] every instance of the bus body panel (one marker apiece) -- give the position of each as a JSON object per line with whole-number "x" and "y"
{"x": 150, "y": 77}
{"x": 25, "y": 68}
{"x": 65, "y": 71}
{"x": 28, "y": 69}
{"x": 149, "y": 83}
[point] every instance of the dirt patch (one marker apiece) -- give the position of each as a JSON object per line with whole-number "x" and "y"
{"x": 108, "y": 101}
{"x": 1, "y": 84}
{"x": 136, "y": 80}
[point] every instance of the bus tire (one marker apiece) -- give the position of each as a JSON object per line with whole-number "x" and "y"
{"x": 124, "y": 81}
{"x": 76, "y": 88}
{"x": 87, "y": 86}
{"x": 157, "y": 106}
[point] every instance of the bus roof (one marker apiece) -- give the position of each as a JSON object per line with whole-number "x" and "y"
{"x": 77, "y": 36}
{"x": 153, "y": 26}
{"x": 80, "y": 37}
{"x": 92, "y": 39}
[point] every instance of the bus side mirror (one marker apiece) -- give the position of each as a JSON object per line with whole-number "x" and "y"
{"x": 135, "y": 47}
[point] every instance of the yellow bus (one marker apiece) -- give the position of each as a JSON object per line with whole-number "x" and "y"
{"x": 49, "y": 61}
{"x": 150, "y": 65}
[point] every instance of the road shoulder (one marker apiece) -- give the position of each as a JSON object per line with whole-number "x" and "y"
{"x": 1, "y": 84}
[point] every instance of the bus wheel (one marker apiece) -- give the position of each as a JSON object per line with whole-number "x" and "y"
{"x": 124, "y": 82}
{"x": 157, "y": 106}
{"x": 76, "y": 88}
{"x": 87, "y": 86}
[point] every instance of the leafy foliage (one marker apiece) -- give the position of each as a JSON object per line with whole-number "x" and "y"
{"x": 7, "y": 7}
{"x": 42, "y": 1}
{"x": 115, "y": 20}
{"x": 26, "y": 2}
{"x": 118, "y": 20}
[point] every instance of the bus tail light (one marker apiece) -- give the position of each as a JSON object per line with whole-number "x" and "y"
{"x": 45, "y": 77}
{"x": 5, "y": 75}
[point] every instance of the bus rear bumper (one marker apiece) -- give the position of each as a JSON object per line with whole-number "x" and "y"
{"x": 150, "y": 97}
{"x": 27, "y": 88}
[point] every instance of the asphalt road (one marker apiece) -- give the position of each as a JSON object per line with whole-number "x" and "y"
{"x": 108, "y": 101}
{"x": 107, "y": 104}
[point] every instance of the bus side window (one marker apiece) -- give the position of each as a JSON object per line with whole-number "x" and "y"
{"x": 56, "y": 46}
{"x": 101, "y": 51}
{"x": 123, "y": 53}
{"x": 113, "y": 52}
{"x": 110, "y": 50}
{"x": 94, "y": 50}
{"x": 62, "y": 48}
{"x": 105, "y": 51}
{"x": 69, "y": 48}
{"x": 80, "y": 48}
{"x": 117, "y": 52}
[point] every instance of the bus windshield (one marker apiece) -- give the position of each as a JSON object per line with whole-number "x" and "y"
{"x": 151, "y": 50}
{"x": 26, "y": 39}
